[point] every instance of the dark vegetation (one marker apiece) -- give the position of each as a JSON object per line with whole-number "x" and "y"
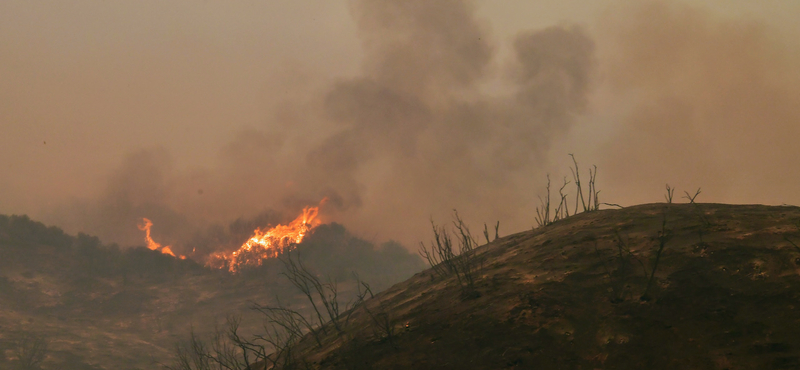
{"x": 53, "y": 284}
{"x": 459, "y": 259}
{"x": 33, "y": 246}
{"x": 283, "y": 328}
{"x": 28, "y": 351}
{"x": 94, "y": 281}
{"x": 544, "y": 216}
{"x": 319, "y": 318}
{"x": 331, "y": 250}
{"x": 659, "y": 286}
{"x": 632, "y": 288}
{"x": 231, "y": 236}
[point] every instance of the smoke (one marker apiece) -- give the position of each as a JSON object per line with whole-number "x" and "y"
{"x": 443, "y": 115}
{"x": 713, "y": 104}
{"x": 420, "y": 134}
{"x": 414, "y": 135}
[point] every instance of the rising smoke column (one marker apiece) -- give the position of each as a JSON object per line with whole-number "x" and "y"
{"x": 419, "y": 135}
{"x": 418, "y": 132}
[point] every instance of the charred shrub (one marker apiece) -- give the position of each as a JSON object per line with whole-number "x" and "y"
{"x": 458, "y": 258}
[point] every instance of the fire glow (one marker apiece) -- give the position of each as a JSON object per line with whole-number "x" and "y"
{"x": 264, "y": 244}
{"x": 145, "y": 226}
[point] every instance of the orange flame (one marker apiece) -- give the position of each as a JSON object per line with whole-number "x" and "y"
{"x": 266, "y": 244}
{"x": 145, "y": 226}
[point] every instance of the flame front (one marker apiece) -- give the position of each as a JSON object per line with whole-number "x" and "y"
{"x": 145, "y": 226}
{"x": 266, "y": 244}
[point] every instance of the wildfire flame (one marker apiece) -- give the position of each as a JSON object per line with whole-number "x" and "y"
{"x": 266, "y": 244}
{"x": 145, "y": 226}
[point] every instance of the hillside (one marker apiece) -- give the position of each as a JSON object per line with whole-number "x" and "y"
{"x": 725, "y": 295}
{"x": 104, "y": 307}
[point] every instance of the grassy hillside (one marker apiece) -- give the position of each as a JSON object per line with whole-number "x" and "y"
{"x": 578, "y": 294}
{"x": 657, "y": 286}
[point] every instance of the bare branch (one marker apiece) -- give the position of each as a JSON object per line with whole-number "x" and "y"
{"x": 670, "y": 193}
{"x": 691, "y": 198}
{"x": 577, "y": 177}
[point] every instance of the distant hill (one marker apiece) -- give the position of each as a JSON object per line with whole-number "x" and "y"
{"x": 105, "y": 307}
{"x": 577, "y": 294}
{"x": 30, "y": 246}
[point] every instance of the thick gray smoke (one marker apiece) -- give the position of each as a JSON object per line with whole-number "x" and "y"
{"x": 442, "y": 115}
{"x": 415, "y": 135}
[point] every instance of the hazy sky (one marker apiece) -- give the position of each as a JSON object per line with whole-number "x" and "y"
{"x": 191, "y": 112}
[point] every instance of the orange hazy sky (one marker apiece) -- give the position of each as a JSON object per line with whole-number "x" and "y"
{"x": 149, "y": 102}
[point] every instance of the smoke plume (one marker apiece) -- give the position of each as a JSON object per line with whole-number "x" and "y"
{"x": 440, "y": 114}
{"x": 414, "y": 135}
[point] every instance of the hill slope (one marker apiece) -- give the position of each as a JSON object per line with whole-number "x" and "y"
{"x": 102, "y": 307}
{"x": 725, "y": 295}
